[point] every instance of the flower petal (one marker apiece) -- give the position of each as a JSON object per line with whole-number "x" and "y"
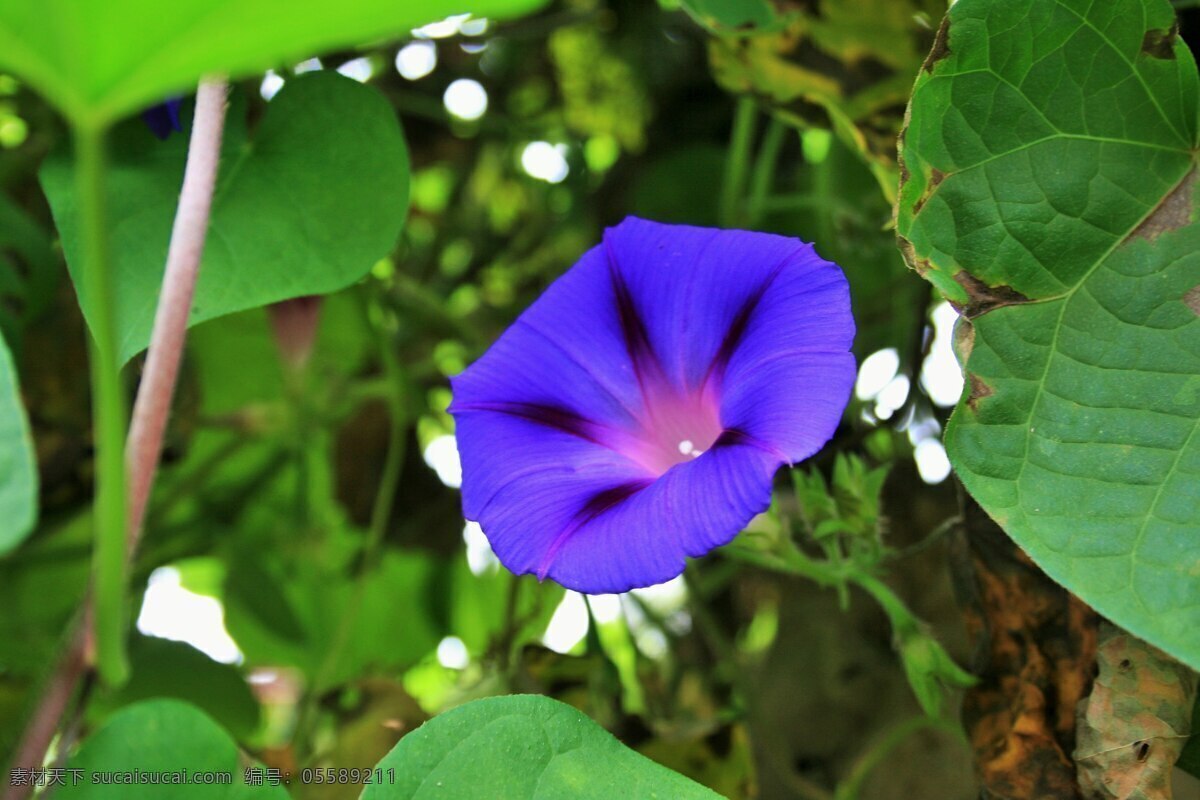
{"x": 635, "y": 414}
{"x": 789, "y": 379}
{"x": 632, "y": 533}
{"x": 702, "y": 291}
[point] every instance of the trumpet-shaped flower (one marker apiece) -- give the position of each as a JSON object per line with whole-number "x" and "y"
{"x": 637, "y": 412}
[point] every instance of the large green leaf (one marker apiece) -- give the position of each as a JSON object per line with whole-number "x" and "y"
{"x": 167, "y": 739}
{"x": 99, "y": 60}
{"x": 305, "y": 207}
{"x": 524, "y": 747}
{"x": 1049, "y": 166}
{"x": 18, "y": 470}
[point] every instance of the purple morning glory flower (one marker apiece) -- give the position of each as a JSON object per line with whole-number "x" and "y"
{"x": 164, "y": 117}
{"x": 636, "y": 413}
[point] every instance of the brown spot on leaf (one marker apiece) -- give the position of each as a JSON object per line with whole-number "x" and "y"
{"x": 936, "y": 176}
{"x": 1191, "y": 299}
{"x": 901, "y": 142}
{"x": 1160, "y": 43}
{"x": 921, "y": 265}
{"x": 979, "y": 390}
{"x": 1173, "y": 212}
{"x": 941, "y": 45}
{"x": 964, "y": 340}
{"x": 982, "y": 298}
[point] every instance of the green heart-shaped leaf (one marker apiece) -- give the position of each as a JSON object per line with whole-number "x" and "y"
{"x": 1050, "y": 164}
{"x": 188, "y": 755}
{"x": 99, "y": 60}
{"x": 305, "y": 207}
{"x": 523, "y": 747}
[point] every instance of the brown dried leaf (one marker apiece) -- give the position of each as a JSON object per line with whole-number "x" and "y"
{"x": 1034, "y": 654}
{"x": 1134, "y": 725}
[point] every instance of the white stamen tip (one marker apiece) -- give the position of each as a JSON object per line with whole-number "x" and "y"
{"x": 686, "y": 447}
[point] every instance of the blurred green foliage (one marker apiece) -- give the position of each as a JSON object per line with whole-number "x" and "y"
{"x": 298, "y": 496}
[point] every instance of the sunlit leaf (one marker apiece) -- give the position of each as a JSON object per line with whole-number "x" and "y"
{"x": 1049, "y": 167}
{"x": 99, "y": 60}
{"x": 18, "y": 470}
{"x": 162, "y": 738}
{"x": 305, "y": 206}
{"x": 523, "y": 747}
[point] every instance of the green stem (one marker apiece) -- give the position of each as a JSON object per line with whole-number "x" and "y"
{"x": 428, "y": 303}
{"x": 393, "y": 463}
{"x": 826, "y": 573}
{"x": 945, "y": 527}
{"x": 824, "y": 192}
{"x": 710, "y": 628}
{"x": 368, "y": 559}
{"x": 744, "y": 123}
{"x": 903, "y": 621}
{"x": 764, "y": 170}
{"x": 108, "y": 410}
{"x": 851, "y": 787}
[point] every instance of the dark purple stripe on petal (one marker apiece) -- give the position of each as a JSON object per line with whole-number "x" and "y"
{"x": 556, "y": 417}
{"x": 602, "y": 501}
{"x": 637, "y": 340}
{"x": 595, "y": 505}
{"x": 731, "y": 437}
{"x": 739, "y": 324}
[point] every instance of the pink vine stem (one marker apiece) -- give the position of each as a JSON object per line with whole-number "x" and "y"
{"x": 150, "y": 409}
{"x": 153, "y": 403}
